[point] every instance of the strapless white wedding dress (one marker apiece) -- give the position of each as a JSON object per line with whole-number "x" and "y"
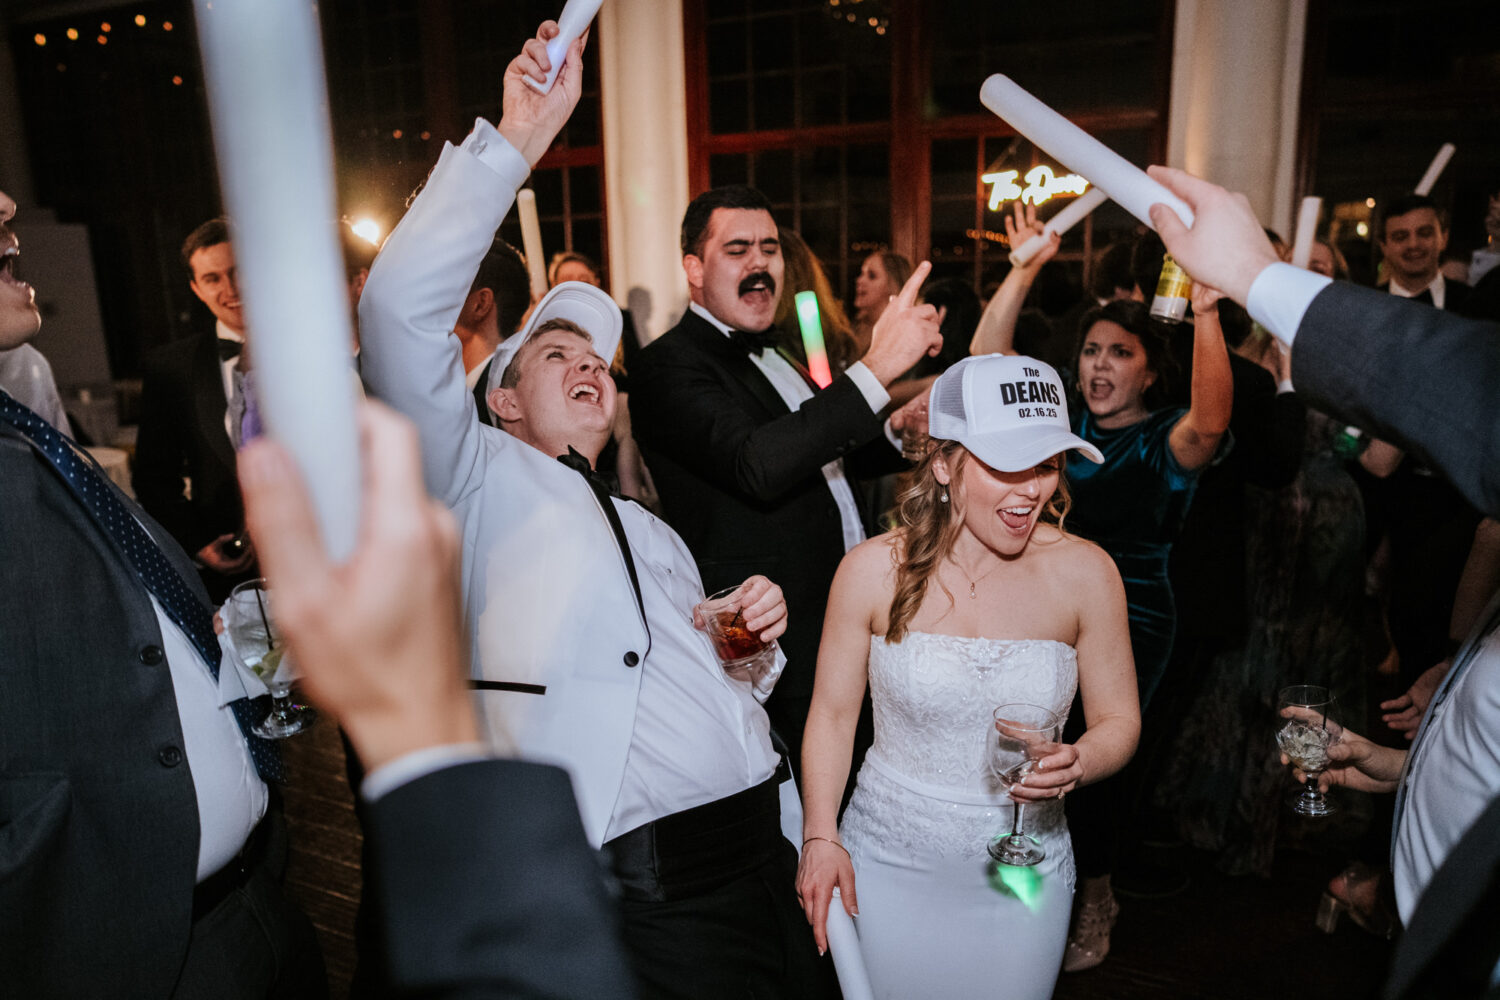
{"x": 937, "y": 917}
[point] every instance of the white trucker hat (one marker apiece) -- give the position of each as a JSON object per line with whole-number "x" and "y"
{"x": 1010, "y": 412}
{"x": 589, "y": 306}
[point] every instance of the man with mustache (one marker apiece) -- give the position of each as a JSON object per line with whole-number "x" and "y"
{"x": 749, "y": 456}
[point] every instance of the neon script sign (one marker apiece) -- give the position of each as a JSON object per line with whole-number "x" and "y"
{"x": 1041, "y": 185}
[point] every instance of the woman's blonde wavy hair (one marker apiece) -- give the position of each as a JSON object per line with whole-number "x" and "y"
{"x": 927, "y": 528}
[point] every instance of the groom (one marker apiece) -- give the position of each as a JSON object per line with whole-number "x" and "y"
{"x": 583, "y": 637}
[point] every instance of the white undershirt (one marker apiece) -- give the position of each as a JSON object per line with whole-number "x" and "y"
{"x": 231, "y": 796}
{"x": 793, "y": 391}
{"x": 227, "y": 369}
{"x": 672, "y": 765}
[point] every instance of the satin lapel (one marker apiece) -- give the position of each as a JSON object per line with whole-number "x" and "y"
{"x": 735, "y": 361}
{"x": 207, "y": 383}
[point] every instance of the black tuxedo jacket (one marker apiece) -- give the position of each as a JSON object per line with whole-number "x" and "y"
{"x": 488, "y": 888}
{"x": 182, "y": 436}
{"x": 98, "y": 816}
{"x": 1420, "y": 377}
{"x": 740, "y": 476}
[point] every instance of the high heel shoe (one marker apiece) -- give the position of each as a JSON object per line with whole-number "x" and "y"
{"x": 1357, "y": 891}
{"x": 1088, "y": 938}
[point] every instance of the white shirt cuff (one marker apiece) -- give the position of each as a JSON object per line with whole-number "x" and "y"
{"x": 869, "y": 386}
{"x": 487, "y": 145}
{"x": 418, "y": 764}
{"x": 1284, "y": 386}
{"x": 1279, "y": 298}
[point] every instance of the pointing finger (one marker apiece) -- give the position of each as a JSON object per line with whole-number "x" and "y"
{"x": 908, "y": 296}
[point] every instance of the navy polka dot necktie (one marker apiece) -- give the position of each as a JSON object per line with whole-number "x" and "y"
{"x": 100, "y": 498}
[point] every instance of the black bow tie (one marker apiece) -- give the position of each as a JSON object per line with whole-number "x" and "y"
{"x": 229, "y": 348}
{"x": 581, "y": 465}
{"x": 753, "y": 343}
{"x": 1425, "y": 295}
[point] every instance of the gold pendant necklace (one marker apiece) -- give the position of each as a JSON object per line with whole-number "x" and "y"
{"x": 973, "y": 596}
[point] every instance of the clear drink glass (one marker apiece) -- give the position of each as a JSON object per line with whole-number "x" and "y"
{"x": 742, "y": 653}
{"x": 1306, "y": 727}
{"x": 1021, "y": 735}
{"x": 247, "y": 616}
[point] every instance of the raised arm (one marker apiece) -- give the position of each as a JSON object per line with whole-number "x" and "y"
{"x": 411, "y": 359}
{"x": 1196, "y": 436}
{"x": 828, "y": 740}
{"x": 996, "y": 332}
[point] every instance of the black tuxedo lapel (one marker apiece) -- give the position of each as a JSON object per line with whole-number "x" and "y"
{"x": 211, "y": 403}
{"x": 719, "y": 347}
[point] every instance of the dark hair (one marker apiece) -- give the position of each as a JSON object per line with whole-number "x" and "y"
{"x": 1112, "y": 270}
{"x": 1155, "y": 338}
{"x": 512, "y": 374}
{"x": 1400, "y": 205}
{"x": 959, "y": 322}
{"x": 210, "y": 234}
{"x": 1145, "y": 262}
{"x": 701, "y": 210}
{"x": 503, "y": 271}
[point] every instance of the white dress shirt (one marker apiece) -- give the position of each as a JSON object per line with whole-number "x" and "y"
{"x": 227, "y": 368}
{"x": 231, "y": 796}
{"x": 794, "y": 391}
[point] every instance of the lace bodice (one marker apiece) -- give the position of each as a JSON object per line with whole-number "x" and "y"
{"x": 925, "y": 787}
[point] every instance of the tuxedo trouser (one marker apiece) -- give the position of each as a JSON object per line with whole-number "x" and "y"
{"x": 253, "y": 942}
{"x": 709, "y": 905}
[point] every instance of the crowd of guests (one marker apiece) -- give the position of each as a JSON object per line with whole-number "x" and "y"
{"x": 1145, "y": 528}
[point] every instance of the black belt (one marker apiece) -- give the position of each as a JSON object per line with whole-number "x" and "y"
{"x": 697, "y": 850}
{"x": 217, "y": 887}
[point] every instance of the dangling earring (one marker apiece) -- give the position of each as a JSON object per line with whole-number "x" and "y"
{"x": 944, "y": 497}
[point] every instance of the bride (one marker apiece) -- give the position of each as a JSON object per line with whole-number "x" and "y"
{"x": 978, "y": 599}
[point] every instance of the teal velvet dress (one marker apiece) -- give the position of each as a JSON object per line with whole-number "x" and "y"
{"x": 1132, "y": 505}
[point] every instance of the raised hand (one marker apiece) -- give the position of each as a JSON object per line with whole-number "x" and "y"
{"x": 1020, "y": 226}
{"x": 529, "y": 120}
{"x": 905, "y": 332}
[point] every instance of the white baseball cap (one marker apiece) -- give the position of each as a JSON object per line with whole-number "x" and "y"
{"x": 1011, "y": 412}
{"x": 589, "y": 306}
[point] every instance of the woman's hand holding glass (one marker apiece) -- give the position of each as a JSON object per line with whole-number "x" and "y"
{"x": 1052, "y": 777}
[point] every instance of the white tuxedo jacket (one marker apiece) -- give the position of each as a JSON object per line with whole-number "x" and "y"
{"x": 553, "y": 615}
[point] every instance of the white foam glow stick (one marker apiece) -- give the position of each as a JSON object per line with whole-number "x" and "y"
{"x": 531, "y": 241}
{"x": 1435, "y": 170}
{"x": 575, "y": 17}
{"x": 263, "y": 63}
{"x": 1307, "y": 229}
{"x": 1125, "y": 183}
{"x": 848, "y": 960}
{"x": 1060, "y": 223}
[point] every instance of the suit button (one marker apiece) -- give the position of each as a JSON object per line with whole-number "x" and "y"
{"x": 631, "y": 659}
{"x": 851, "y": 443}
{"x": 169, "y": 756}
{"x": 151, "y": 655}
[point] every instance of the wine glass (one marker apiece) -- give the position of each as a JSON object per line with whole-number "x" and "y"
{"x": 1306, "y": 728}
{"x": 247, "y": 616}
{"x": 1022, "y": 734}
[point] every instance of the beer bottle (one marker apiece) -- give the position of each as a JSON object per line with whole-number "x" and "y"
{"x": 1172, "y": 291}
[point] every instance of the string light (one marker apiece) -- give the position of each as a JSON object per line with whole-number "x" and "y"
{"x": 39, "y": 38}
{"x": 166, "y": 26}
{"x": 105, "y": 27}
{"x": 72, "y": 34}
{"x": 140, "y": 20}
{"x": 396, "y": 134}
{"x": 176, "y": 81}
{"x": 103, "y": 39}
{"x": 367, "y": 229}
